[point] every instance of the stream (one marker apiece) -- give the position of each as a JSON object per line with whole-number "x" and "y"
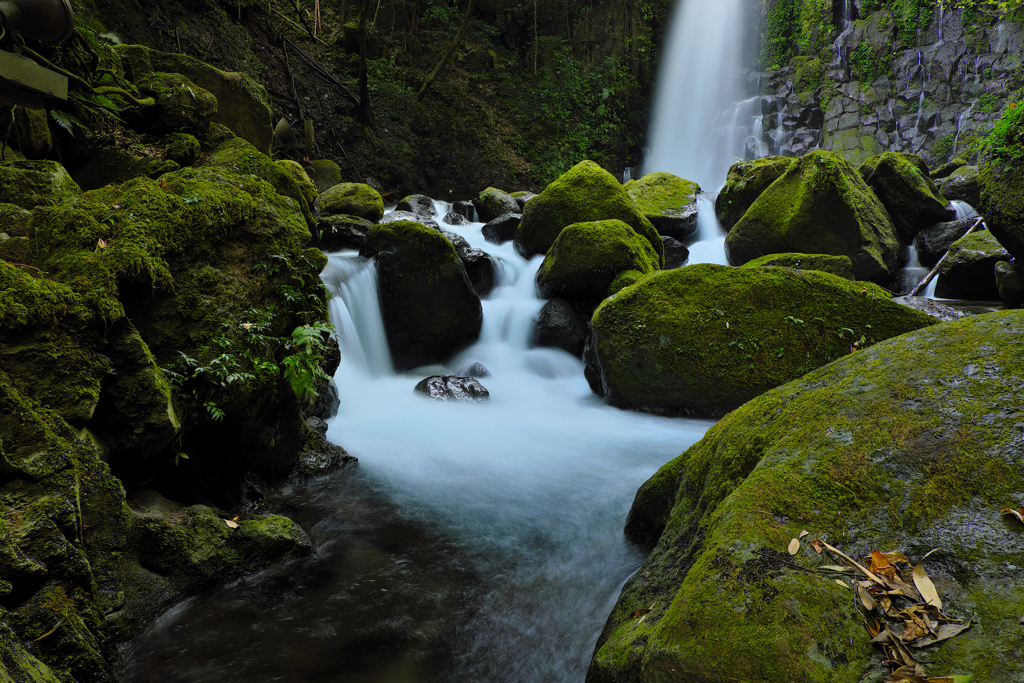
{"x": 473, "y": 542}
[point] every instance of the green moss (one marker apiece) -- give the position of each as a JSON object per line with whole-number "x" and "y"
{"x": 494, "y": 202}
{"x": 663, "y": 194}
{"x": 841, "y": 266}
{"x": 892, "y": 448}
{"x": 903, "y": 184}
{"x": 705, "y": 339}
{"x": 586, "y": 193}
{"x": 587, "y": 257}
{"x": 810, "y": 73}
{"x": 35, "y": 183}
{"x": 787, "y": 217}
{"x": 181, "y": 148}
{"x": 744, "y": 184}
{"x": 352, "y": 199}
{"x": 324, "y": 173}
{"x": 180, "y": 103}
{"x": 301, "y": 180}
{"x": 1001, "y": 176}
{"x": 239, "y": 156}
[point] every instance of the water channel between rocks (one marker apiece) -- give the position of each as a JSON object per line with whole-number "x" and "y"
{"x": 473, "y": 542}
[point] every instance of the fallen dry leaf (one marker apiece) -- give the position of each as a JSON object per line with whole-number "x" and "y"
{"x": 817, "y": 547}
{"x": 925, "y": 585}
{"x": 794, "y": 547}
{"x": 803, "y": 533}
{"x": 866, "y": 599}
{"x": 943, "y": 632}
{"x": 841, "y": 583}
{"x": 231, "y": 523}
{"x": 854, "y": 562}
{"x": 643, "y": 611}
{"x": 1019, "y": 514}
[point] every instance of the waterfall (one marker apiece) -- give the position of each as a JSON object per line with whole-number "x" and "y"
{"x": 693, "y": 132}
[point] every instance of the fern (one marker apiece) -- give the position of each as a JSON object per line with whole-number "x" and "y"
{"x": 65, "y": 121}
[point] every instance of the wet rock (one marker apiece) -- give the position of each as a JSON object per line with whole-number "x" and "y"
{"x": 476, "y": 370}
{"x": 430, "y": 307}
{"x": 502, "y": 229}
{"x": 936, "y": 309}
{"x": 522, "y": 197}
{"x": 935, "y": 241}
{"x": 1010, "y": 282}
{"x": 962, "y": 184}
{"x": 969, "y": 270}
{"x": 786, "y": 218}
{"x": 395, "y": 216}
{"x": 327, "y": 403}
{"x": 318, "y": 455}
{"x": 451, "y": 388}
{"x": 668, "y": 202}
{"x": 35, "y": 183}
{"x": 492, "y": 203}
{"x": 676, "y": 253}
{"x": 465, "y": 208}
{"x": 352, "y": 199}
{"x": 560, "y": 326}
{"x": 419, "y": 204}
{"x": 324, "y": 173}
{"x": 745, "y": 183}
{"x": 902, "y": 183}
{"x": 723, "y": 512}
{"x": 587, "y": 257}
{"x": 946, "y": 169}
{"x": 478, "y": 263}
{"x": 704, "y": 339}
{"x": 585, "y": 193}
{"x": 341, "y": 232}
{"x": 453, "y": 218}
{"x": 836, "y": 265}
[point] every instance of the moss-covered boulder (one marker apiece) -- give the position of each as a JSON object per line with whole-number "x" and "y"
{"x": 668, "y": 202}
{"x": 908, "y": 193}
{"x": 947, "y": 168}
{"x": 352, "y": 199}
{"x": 820, "y": 205}
{"x": 583, "y": 194}
{"x": 586, "y": 258}
{"x": 35, "y": 183}
{"x": 430, "y": 307}
{"x": 836, "y": 265}
{"x": 903, "y": 447}
{"x": 298, "y": 174}
{"x": 243, "y": 105}
{"x": 744, "y": 184}
{"x": 492, "y": 202}
{"x": 705, "y": 339}
{"x": 182, "y": 148}
{"x": 1001, "y": 176}
{"x": 969, "y": 270}
{"x": 180, "y": 104}
{"x": 29, "y": 131}
{"x": 240, "y": 157}
{"x": 324, "y": 173}
{"x": 962, "y": 184}
{"x": 338, "y": 232}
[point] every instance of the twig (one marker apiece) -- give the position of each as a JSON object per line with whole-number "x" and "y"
{"x": 928, "y": 278}
{"x": 291, "y": 80}
{"x": 50, "y": 632}
{"x": 854, "y": 562}
{"x": 274, "y": 10}
{"x": 322, "y": 71}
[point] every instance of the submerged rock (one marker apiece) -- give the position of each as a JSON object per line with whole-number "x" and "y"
{"x": 429, "y": 304}
{"x": 450, "y": 388}
{"x": 585, "y": 193}
{"x": 744, "y": 184}
{"x": 668, "y": 202}
{"x": 909, "y": 445}
{"x": 587, "y": 257}
{"x": 704, "y": 339}
{"x": 820, "y": 205}
{"x": 902, "y": 183}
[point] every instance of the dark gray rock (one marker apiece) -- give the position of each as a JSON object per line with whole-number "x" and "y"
{"x": 478, "y": 263}
{"x": 419, "y": 204}
{"x": 335, "y": 233}
{"x": 935, "y": 241}
{"x": 560, "y": 326}
{"x": 318, "y": 455}
{"x": 969, "y": 270}
{"x": 523, "y": 197}
{"x": 451, "y": 388}
{"x": 453, "y": 218}
{"x": 410, "y": 216}
{"x": 492, "y": 203}
{"x": 676, "y": 253}
{"x": 465, "y": 208}
{"x": 935, "y": 309}
{"x": 963, "y": 185}
{"x": 475, "y": 369}
{"x": 503, "y": 228}
{"x": 1010, "y": 283}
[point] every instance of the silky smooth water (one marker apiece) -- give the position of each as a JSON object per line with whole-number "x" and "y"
{"x": 473, "y": 542}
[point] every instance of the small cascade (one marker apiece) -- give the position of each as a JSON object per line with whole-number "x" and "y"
{"x": 710, "y": 244}
{"x": 355, "y": 312}
{"x": 911, "y": 273}
{"x": 959, "y": 127}
{"x": 963, "y": 210}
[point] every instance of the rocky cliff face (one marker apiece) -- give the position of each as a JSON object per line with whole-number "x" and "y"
{"x": 864, "y": 77}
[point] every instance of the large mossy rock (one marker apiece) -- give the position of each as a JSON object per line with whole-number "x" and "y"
{"x": 181, "y": 105}
{"x": 935, "y": 241}
{"x": 705, "y": 339}
{"x": 35, "y": 183}
{"x": 492, "y": 203}
{"x": 962, "y": 184}
{"x": 668, "y": 202}
{"x": 902, "y": 183}
{"x": 836, "y": 265}
{"x": 584, "y": 194}
{"x": 910, "y": 445}
{"x": 1001, "y": 176}
{"x": 351, "y": 199}
{"x": 969, "y": 270}
{"x": 820, "y": 205}
{"x": 240, "y": 157}
{"x": 242, "y": 103}
{"x": 744, "y": 184}
{"x": 587, "y": 257}
{"x": 430, "y": 307}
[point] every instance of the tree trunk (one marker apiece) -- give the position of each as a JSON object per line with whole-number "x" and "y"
{"x": 439, "y": 69}
{"x": 363, "y": 109}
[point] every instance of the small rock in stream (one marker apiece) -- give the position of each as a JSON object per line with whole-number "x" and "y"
{"x": 451, "y": 388}
{"x": 475, "y": 369}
